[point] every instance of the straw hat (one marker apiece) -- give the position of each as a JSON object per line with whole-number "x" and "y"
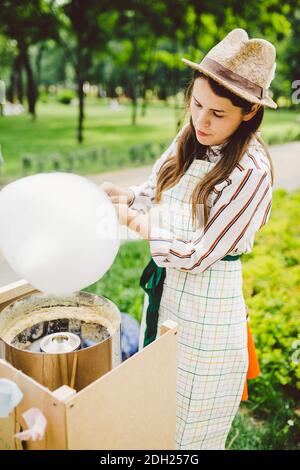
{"x": 242, "y": 65}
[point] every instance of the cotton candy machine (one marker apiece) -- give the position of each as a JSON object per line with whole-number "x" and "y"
{"x": 62, "y": 340}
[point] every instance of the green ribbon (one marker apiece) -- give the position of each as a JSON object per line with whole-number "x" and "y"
{"x": 152, "y": 281}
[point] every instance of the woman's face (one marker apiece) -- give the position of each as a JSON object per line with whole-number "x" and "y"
{"x": 214, "y": 118}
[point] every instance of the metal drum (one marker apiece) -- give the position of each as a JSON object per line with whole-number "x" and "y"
{"x": 62, "y": 340}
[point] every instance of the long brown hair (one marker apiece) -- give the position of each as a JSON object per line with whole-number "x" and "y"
{"x": 188, "y": 147}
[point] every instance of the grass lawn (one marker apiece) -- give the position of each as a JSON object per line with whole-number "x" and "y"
{"x": 50, "y": 141}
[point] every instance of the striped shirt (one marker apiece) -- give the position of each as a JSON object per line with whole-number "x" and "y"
{"x": 239, "y": 207}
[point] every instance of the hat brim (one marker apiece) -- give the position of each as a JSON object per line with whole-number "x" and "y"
{"x": 266, "y": 101}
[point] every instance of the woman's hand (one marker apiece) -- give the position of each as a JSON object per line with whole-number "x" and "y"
{"x": 121, "y": 198}
{"x": 134, "y": 220}
{"x": 117, "y": 194}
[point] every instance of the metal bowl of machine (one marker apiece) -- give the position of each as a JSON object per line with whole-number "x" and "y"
{"x": 62, "y": 340}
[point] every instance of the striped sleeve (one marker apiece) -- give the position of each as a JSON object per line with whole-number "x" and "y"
{"x": 143, "y": 194}
{"x": 242, "y": 209}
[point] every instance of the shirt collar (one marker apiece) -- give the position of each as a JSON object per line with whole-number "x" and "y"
{"x": 215, "y": 152}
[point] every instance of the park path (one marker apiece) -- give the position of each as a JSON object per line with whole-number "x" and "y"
{"x": 286, "y": 159}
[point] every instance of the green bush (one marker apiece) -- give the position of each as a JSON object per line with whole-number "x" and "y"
{"x": 272, "y": 292}
{"x": 65, "y": 96}
{"x": 43, "y": 97}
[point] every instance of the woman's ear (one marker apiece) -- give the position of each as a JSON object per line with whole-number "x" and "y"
{"x": 251, "y": 113}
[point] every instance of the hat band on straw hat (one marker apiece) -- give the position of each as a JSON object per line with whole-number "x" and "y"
{"x": 233, "y": 78}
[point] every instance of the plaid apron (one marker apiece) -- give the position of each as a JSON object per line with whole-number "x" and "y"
{"x": 210, "y": 310}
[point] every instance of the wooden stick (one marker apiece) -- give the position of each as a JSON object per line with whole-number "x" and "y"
{"x": 18, "y": 444}
{"x": 74, "y": 368}
{"x": 64, "y": 368}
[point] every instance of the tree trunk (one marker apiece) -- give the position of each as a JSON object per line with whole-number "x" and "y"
{"x": 133, "y": 105}
{"x": 31, "y": 86}
{"x": 146, "y": 81}
{"x": 134, "y": 64}
{"x": 145, "y": 100}
{"x": 38, "y": 64}
{"x": 15, "y": 80}
{"x": 12, "y": 84}
{"x": 20, "y": 89}
{"x": 80, "y": 93}
{"x": 144, "y": 107}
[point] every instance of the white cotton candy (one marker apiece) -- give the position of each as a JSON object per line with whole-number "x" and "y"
{"x": 59, "y": 231}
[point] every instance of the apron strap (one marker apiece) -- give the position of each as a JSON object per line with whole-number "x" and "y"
{"x": 152, "y": 281}
{"x": 231, "y": 258}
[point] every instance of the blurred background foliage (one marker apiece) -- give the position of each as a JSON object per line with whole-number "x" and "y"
{"x": 130, "y": 51}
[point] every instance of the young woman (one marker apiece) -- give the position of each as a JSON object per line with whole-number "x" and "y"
{"x": 213, "y": 189}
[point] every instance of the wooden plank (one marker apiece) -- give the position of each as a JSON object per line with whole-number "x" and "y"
{"x": 14, "y": 291}
{"x": 37, "y": 396}
{"x": 7, "y": 431}
{"x": 131, "y": 407}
